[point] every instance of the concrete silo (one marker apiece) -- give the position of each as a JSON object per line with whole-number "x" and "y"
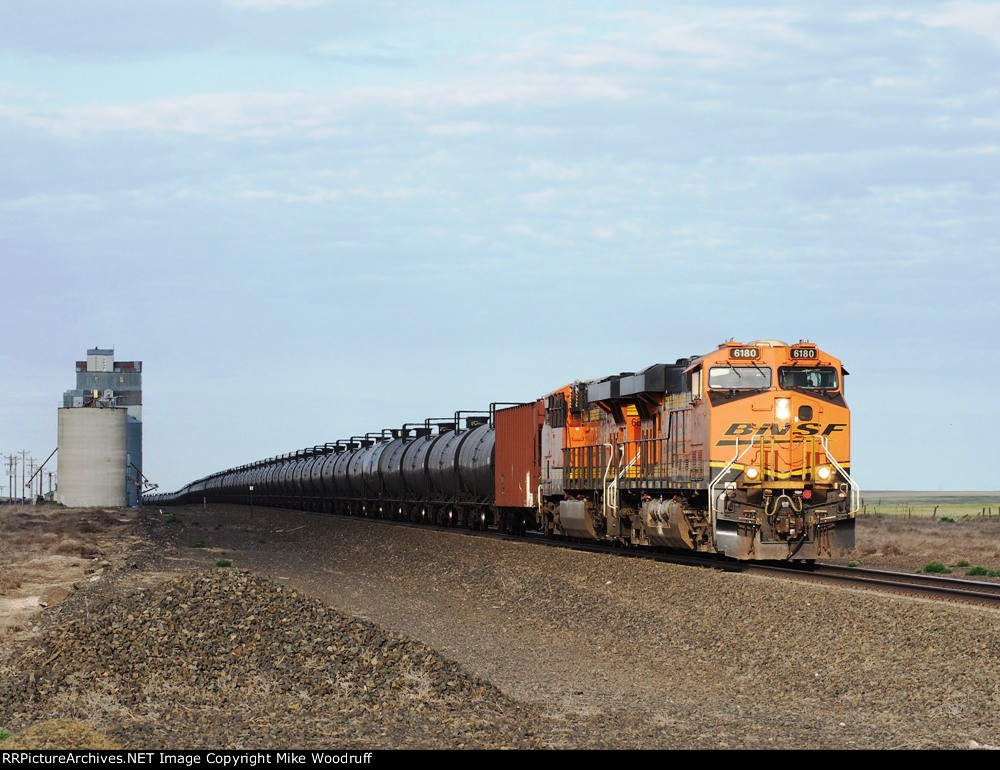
{"x": 92, "y": 456}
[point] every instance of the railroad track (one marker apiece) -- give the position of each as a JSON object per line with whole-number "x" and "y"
{"x": 935, "y": 587}
{"x": 903, "y": 583}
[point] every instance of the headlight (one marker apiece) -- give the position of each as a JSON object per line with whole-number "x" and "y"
{"x": 751, "y": 473}
{"x": 781, "y": 409}
{"x": 824, "y": 472}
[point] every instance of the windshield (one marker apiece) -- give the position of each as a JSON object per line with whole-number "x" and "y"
{"x": 812, "y": 378}
{"x": 739, "y": 377}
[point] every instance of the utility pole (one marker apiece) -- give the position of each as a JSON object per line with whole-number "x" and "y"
{"x": 24, "y": 463}
{"x": 28, "y": 485}
{"x": 12, "y": 475}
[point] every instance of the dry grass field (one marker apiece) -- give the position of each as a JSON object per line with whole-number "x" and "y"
{"x": 46, "y": 551}
{"x": 956, "y": 505}
{"x": 907, "y": 530}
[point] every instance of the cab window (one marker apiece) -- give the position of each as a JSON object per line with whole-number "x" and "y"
{"x": 809, "y": 378}
{"x": 695, "y": 383}
{"x": 739, "y": 377}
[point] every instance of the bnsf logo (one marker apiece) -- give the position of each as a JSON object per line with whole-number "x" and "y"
{"x": 802, "y": 429}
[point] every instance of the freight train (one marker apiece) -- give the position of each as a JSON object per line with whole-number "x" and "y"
{"x": 742, "y": 452}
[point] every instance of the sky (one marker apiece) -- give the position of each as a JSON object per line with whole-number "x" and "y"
{"x": 313, "y": 219}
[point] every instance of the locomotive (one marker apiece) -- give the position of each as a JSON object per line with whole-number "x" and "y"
{"x": 742, "y": 452}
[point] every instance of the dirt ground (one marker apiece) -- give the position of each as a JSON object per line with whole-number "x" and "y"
{"x": 48, "y": 553}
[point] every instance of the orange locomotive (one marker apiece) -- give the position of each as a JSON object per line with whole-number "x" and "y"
{"x": 744, "y": 452}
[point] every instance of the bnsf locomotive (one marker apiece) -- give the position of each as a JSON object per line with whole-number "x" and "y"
{"x": 744, "y": 451}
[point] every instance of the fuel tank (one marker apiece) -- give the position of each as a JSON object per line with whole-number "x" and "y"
{"x": 298, "y": 478}
{"x": 313, "y": 475}
{"x": 284, "y": 478}
{"x": 442, "y": 464}
{"x": 324, "y": 481}
{"x": 355, "y": 477}
{"x": 390, "y": 468}
{"x": 270, "y": 479}
{"x": 341, "y": 488}
{"x": 369, "y": 471}
{"x": 414, "y": 465}
{"x": 475, "y": 463}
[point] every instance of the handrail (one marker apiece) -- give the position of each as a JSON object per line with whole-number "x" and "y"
{"x": 634, "y": 461}
{"x": 855, "y": 490}
{"x": 610, "y": 498}
{"x": 712, "y": 507}
{"x": 611, "y": 488}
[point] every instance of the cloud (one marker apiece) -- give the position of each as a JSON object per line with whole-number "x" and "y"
{"x": 980, "y": 19}
{"x": 465, "y": 128}
{"x": 312, "y": 112}
{"x": 109, "y": 29}
{"x": 583, "y": 56}
{"x": 322, "y": 195}
{"x": 727, "y": 37}
{"x": 270, "y": 5}
{"x": 882, "y": 81}
{"x": 541, "y": 197}
{"x": 549, "y": 170}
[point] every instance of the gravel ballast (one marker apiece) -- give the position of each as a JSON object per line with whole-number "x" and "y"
{"x": 334, "y": 632}
{"x": 245, "y": 662}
